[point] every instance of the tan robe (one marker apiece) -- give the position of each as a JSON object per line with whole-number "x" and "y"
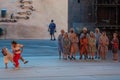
{"x": 74, "y": 43}
{"x": 103, "y": 46}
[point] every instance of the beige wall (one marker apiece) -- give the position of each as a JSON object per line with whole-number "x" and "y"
{"x": 37, "y": 26}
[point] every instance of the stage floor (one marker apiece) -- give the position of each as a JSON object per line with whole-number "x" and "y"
{"x": 45, "y": 65}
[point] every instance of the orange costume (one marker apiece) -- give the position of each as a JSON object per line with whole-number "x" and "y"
{"x": 74, "y": 45}
{"x": 83, "y": 47}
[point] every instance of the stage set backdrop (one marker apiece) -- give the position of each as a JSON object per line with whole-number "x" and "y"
{"x": 29, "y": 19}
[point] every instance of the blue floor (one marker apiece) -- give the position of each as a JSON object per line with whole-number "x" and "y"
{"x": 45, "y": 65}
{"x": 34, "y": 47}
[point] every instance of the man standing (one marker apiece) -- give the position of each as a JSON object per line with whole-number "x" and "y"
{"x": 52, "y": 29}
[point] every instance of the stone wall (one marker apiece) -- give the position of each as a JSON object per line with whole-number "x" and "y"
{"x": 37, "y": 26}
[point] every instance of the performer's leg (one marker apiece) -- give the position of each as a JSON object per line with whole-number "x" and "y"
{"x": 15, "y": 59}
{"x": 104, "y": 54}
{"x": 71, "y": 55}
{"x": 65, "y": 56}
{"x": 71, "y": 52}
{"x": 81, "y": 53}
{"x": 92, "y": 55}
{"x": 115, "y": 57}
{"x": 6, "y": 60}
{"x": 74, "y": 55}
{"x": 96, "y": 53}
{"x": 23, "y": 60}
{"x": 59, "y": 54}
{"x": 6, "y": 66}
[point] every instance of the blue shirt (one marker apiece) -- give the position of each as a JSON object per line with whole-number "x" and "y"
{"x": 52, "y": 26}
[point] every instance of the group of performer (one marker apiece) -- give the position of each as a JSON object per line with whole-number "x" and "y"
{"x": 93, "y": 45}
{"x": 14, "y": 58}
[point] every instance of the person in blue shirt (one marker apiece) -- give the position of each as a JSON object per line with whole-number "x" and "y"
{"x": 52, "y": 29}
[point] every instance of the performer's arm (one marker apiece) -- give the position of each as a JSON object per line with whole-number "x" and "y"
{"x": 21, "y": 46}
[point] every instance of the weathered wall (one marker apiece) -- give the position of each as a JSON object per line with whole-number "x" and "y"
{"x": 81, "y": 12}
{"x": 37, "y": 26}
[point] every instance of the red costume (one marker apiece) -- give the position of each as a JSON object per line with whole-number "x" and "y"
{"x": 83, "y": 47}
{"x": 16, "y": 57}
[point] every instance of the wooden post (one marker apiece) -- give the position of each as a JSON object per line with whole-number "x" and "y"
{"x": 96, "y": 10}
{"x": 117, "y": 14}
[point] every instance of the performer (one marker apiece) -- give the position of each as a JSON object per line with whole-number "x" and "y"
{"x": 66, "y": 46}
{"x": 84, "y": 35}
{"x": 103, "y": 45}
{"x": 7, "y": 57}
{"x": 74, "y": 44}
{"x": 17, "y": 50}
{"x": 115, "y": 46}
{"x": 97, "y": 36}
{"x": 92, "y": 45}
{"x": 60, "y": 42}
{"x": 84, "y": 46}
